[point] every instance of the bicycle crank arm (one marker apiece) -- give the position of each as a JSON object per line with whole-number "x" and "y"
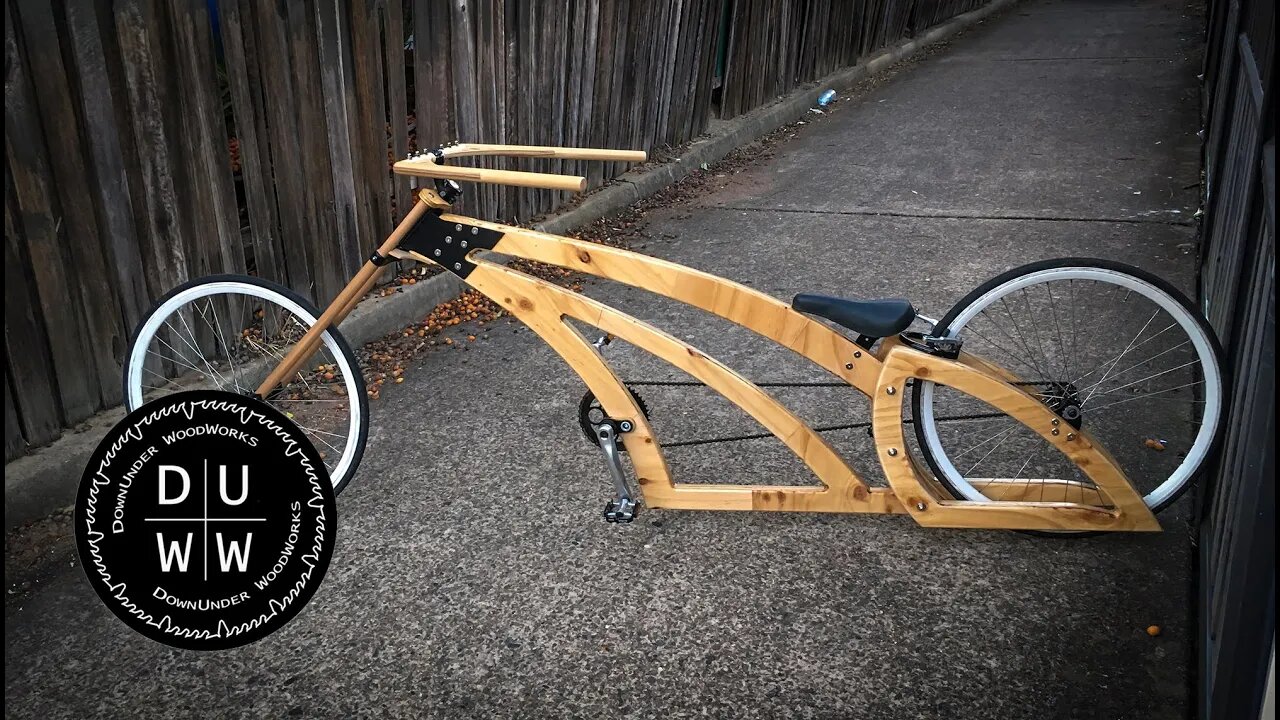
{"x": 622, "y": 509}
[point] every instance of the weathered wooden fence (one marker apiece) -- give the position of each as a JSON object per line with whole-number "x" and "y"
{"x": 1237, "y": 533}
{"x": 152, "y": 141}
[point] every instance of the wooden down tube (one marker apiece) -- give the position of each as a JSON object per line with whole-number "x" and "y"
{"x": 341, "y": 306}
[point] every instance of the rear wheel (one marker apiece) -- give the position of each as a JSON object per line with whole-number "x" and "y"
{"x": 228, "y": 332}
{"x": 1111, "y": 349}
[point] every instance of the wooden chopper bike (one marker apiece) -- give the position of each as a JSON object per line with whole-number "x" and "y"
{"x": 1019, "y": 376}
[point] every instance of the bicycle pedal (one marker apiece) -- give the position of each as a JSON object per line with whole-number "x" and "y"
{"x": 620, "y": 510}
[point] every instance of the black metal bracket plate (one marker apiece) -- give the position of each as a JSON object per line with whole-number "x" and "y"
{"x": 448, "y": 243}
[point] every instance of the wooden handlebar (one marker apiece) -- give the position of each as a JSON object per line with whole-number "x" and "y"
{"x": 427, "y": 166}
{"x": 565, "y": 153}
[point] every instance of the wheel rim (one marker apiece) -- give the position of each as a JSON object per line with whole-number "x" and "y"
{"x": 169, "y": 335}
{"x": 1098, "y": 393}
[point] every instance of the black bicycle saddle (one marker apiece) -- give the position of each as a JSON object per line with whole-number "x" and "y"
{"x": 873, "y": 318}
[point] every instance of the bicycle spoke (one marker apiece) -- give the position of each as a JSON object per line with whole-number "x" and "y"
{"x": 252, "y": 327}
{"x": 1135, "y": 382}
{"x": 1100, "y": 408}
{"x": 1095, "y": 340}
{"x": 1141, "y": 362}
{"x": 230, "y": 354}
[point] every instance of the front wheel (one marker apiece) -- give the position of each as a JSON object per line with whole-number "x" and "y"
{"x": 1111, "y": 349}
{"x": 227, "y": 332}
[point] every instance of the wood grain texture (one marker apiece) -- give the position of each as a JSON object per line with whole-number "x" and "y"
{"x": 426, "y": 168}
{"x": 1123, "y": 509}
{"x": 752, "y": 309}
{"x": 90, "y": 287}
{"x": 543, "y": 307}
{"x": 249, "y": 110}
{"x": 28, "y": 366}
{"x": 33, "y": 218}
{"x": 101, "y": 92}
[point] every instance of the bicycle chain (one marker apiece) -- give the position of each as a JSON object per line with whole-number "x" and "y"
{"x": 630, "y": 384}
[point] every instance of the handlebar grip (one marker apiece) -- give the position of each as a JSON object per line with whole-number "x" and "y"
{"x": 427, "y": 168}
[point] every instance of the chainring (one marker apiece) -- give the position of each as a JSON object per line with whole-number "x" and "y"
{"x": 591, "y": 414}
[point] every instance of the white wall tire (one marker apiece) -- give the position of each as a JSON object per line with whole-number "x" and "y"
{"x": 174, "y": 309}
{"x": 1201, "y": 344}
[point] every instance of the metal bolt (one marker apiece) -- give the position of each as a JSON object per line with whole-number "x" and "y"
{"x": 448, "y": 239}
{"x": 891, "y": 391}
{"x": 457, "y": 266}
{"x": 625, "y": 426}
{"x": 920, "y": 506}
{"x": 475, "y": 231}
{"x": 848, "y": 366}
{"x": 893, "y": 452}
{"x": 1071, "y": 436}
{"x": 437, "y": 252}
{"x": 1055, "y": 431}
{"x": 464, "y": 243}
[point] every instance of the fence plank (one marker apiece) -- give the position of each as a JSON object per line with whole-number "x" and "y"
{"x": 14, "y": 444}
{"x": 249, "y": 109}
{"x": 164, "y": 257}
{"x": 30, "y": 178}
{"x": 433, "y": 74}
{"x": 311, "y": 129}
{"x": 99, "y": 96}
{"x": 269, "y": 21}
{"x": 216, "y": 228}
{"x": 370, "y": 147}
{"x": 397, "y": 102}
{"x": 353, "y": 230}
{"x": 91, "y": 284}
{"x": 27, "y": 360}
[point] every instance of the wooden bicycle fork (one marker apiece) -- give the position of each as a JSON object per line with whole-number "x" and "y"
{"x": 453, "y": 241}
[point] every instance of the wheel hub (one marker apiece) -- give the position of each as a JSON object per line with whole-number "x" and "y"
{"x": 1064, "y": 399}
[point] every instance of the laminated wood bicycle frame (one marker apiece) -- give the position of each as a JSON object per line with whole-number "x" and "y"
{"x": 429, "y": 234}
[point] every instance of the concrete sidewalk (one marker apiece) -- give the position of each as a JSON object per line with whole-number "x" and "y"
{"x": 474, "y": 577}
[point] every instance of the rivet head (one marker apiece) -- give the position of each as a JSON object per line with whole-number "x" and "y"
{"x": 625, "y": 426}
{"x": 463, "y": 243}
{"x": 1055, "y": 431}
{"x": 857, "y": 353}
{"x": 475, "y": 231}
{"x": 893, "y": 452}
{"x": 448, "y": 239}
{"x": 437, "y": 252}
{"x": 1071, "y": 436}
{"x": 458, "y": 227}
{"x": 848, "y": 366}
{"x": 457, "y": 266}
{"x": 891, "y": 391}
{"x": 920, "y": 506}
{"x": 1054, "y": 421}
